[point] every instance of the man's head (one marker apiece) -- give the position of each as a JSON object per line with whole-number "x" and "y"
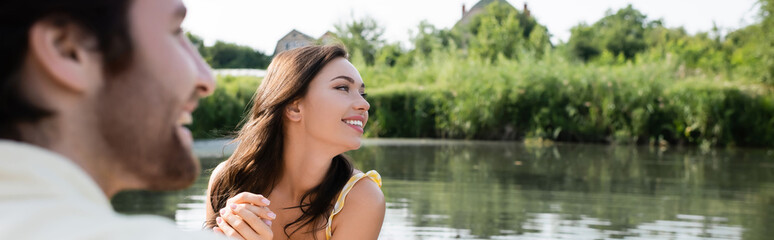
{"x": 107, "y": 83}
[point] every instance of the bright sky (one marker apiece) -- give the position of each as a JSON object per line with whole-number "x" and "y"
{"x": 260, "y": 23}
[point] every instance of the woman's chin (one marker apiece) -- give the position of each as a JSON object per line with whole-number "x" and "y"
{"x": 354, "y": 144}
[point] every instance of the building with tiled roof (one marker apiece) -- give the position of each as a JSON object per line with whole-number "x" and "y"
{"x": 328, "y": 38}
{"x": 294, "y": 39}
{"x": 479, "y": 8}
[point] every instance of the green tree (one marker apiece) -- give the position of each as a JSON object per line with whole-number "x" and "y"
{"x": 767, "y": 40}
{"x": 502, "y": 29}
{"x": 497, "y": 33}
{"x": 363, "y": 35}
{"x": 391, "y": 55}
{"x": 622, "y": 33}
{"x": 428, "y": 38}
{"x": 229, "y": 55}
{"x": 582, "y": 42}
{"x": 744, "y": 47}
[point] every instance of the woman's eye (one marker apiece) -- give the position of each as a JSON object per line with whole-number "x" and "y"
{"x": 364, "y": 95}
{"x": 343, "y": 88}
{"x": 178, "y": 31}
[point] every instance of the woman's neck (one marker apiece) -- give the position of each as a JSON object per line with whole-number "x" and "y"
{"x": 306, "y": 162}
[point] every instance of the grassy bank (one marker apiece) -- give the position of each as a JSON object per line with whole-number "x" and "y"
{"x": 447, "y": 95}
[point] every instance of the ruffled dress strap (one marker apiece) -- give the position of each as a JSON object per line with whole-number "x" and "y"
{"x": 373, "y": 175}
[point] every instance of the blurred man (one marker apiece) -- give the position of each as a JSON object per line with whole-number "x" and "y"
{"x": 93, "y": 96}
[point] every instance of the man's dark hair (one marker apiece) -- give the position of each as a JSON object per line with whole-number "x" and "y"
{"x": 105, "y": 20}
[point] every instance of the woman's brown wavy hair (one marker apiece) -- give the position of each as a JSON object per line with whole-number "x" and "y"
{"x": 256, "y": 165}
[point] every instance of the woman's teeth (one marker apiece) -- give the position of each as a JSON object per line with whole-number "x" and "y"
{"x": 354, "y": 122}
{"x": 185, "y": 119}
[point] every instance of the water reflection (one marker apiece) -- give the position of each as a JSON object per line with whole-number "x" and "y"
{"x": 495, "y": 190}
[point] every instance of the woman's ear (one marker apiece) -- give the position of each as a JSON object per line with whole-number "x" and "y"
{"x": 293, "y": 111}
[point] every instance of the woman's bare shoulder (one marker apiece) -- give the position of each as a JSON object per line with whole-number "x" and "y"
{"x": 208, "y": 208}
{"x": 363, "y": 212}
{"x": 366, "y": 189}
{"x": 366, "y": 192}
{"x": 215, "y": 172}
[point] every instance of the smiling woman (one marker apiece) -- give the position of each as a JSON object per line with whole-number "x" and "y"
{"x": 306, "y": 113}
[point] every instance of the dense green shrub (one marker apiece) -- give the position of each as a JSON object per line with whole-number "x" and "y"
{"x": 456, "y": 97}
{"x": 219, "y": 114}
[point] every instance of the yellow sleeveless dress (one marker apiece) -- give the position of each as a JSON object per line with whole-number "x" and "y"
{"x": 373, "y": 175}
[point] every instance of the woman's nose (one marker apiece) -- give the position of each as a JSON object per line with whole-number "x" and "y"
{"x": 362, "y": 104}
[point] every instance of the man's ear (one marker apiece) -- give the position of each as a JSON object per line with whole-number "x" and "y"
{"x": 293, "y": 111}
{"x": 65, "y": 53}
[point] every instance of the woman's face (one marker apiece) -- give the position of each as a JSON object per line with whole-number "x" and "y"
{"x": 334, "y": 110}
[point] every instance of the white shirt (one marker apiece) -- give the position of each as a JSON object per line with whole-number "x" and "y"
{"x": 43, "y": 195}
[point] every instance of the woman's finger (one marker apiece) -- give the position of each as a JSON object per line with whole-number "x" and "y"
{"x": 226, "y": 229}
{"x": 262, "y": 212}
{"x": 241, "y": 226}
{"x": 217, "y": 230}
{"x": 251, "y": 198}
{"x": 252, "y": 219}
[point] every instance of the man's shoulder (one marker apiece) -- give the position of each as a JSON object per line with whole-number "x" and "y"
{"x": 53, "y": 221}
{"x": 154, "y": 227}
{"x": 45, "y": 196}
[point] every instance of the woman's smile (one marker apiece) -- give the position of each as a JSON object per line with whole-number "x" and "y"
{"x": 355, "y": 122}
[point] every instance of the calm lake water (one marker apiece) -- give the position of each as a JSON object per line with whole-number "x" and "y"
{"x": 509, "y": 190}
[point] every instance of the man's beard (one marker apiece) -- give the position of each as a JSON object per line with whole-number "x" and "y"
{"x": 137, "y": 119}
